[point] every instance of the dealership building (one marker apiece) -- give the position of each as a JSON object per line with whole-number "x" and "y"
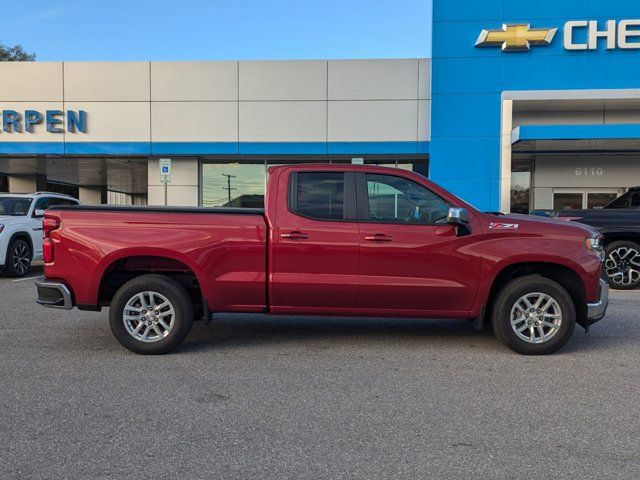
{"x": 523, "y": 105}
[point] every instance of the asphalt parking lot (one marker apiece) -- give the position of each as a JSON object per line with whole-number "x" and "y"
{"x": 249, "y": 397}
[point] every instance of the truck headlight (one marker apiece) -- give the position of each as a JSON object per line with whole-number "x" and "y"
{"x": 595, "y": 243}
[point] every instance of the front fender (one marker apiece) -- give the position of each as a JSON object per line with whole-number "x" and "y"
{"x": 565, "y": 251}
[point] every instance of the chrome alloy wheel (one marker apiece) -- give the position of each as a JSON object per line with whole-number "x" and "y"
{"x": 21, "y": 257}
{"x": 149, "y": 317}
{"x": 622, "y": 266}
{"x": 536, "y": 317}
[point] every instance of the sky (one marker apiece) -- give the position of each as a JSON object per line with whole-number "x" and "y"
{"x": 92, "y": 30}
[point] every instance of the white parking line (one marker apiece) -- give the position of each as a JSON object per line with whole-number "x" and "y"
{"x": 28, "y": 278}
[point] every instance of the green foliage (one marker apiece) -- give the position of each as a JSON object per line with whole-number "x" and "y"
{"x": 15, "y": 54}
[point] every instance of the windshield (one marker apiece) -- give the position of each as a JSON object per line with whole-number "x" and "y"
{"x": 15, "y": 207}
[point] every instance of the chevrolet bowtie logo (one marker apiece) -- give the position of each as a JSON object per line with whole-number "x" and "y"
{"x": 516, "y": 37}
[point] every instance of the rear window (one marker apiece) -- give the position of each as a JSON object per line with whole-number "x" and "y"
{"x": 318, "y": 195}
{"x": 47, "y": 202}
{"x": 620, "y": 202}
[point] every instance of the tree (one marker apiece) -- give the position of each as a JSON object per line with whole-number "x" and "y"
{"x": 15, "y": 54}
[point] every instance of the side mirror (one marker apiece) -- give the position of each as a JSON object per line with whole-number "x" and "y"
{"x": 38, "y": 213}
{"x": 459, "y": 217}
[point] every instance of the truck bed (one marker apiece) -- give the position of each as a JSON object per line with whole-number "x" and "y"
{"x": 222, "y": 250}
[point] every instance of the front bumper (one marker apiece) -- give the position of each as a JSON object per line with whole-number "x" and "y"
{"x": 54, "y": 295}
{"x": 596, "y": 311}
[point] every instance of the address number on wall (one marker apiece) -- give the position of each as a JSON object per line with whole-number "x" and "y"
{"x": 589, "y": 172}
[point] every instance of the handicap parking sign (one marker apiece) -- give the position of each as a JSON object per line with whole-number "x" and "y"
{"x": 165, "y": 170}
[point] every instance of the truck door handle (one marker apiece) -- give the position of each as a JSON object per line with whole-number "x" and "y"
{"x": 295, "y": 235}
{"x": 378, "y": 237}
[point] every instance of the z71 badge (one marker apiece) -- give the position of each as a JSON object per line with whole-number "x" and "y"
{"x": 504, "y": 226}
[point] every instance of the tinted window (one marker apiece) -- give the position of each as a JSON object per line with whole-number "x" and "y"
{"x": 319, "y": 195}
{"x": 62, "y": 201}
{"x": 635, "y": 200}
{"x": 46, "y": 202}
{"x": 43, "y": 203}
{"x": 14, "y": 206}
{"x": 397, "y": 200}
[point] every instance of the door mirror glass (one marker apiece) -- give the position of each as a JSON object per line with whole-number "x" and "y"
{"x": 458, "y": 216}
{"x": 38, "y": 213}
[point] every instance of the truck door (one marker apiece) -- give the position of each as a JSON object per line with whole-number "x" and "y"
{"x": 410, "y": 258}
{"x": 314, "y": 243}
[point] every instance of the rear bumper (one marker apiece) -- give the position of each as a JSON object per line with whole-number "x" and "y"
{"x": 54, "y": 295}
{"x": 597, "y": 310}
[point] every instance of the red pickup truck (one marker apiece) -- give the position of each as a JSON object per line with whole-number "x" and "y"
{"x": 338, "y": 240}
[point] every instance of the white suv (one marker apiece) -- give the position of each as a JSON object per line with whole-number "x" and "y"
{"x": 21, "y": 228}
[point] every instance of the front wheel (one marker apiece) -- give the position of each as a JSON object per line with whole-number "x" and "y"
{"x": 621, "y": 267}
{"x": 19, "y": 256}
{"x": 151, "y": 314}
{"x": 533, "y": 315}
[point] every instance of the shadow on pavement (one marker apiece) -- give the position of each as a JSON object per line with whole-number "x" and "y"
{"x": 236, "y": 330}
{"x": 245, "y": 330}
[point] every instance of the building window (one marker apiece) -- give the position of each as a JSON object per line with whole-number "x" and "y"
{"x": 521, "y": 197}
{"x": 4, "y": 183}
{"x": 233, "y": 184}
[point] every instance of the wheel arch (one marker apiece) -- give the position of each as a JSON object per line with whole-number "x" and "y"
{"x": 125, "y": 268}
{"x": 23, "y": 235}
{"x": 565, "y": 276}
{"x": 610, "y": 237}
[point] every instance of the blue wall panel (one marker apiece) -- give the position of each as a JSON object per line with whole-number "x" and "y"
{"x": 473, "y": 153}
{"x": 614, "y": 8}
{"x": 465, "y": 115}
{"x": 623, "y": 71}
{"x": 478, "y": 193}
{"x": 457, "y": 39}
{"x": 577, "y": 9}
{"x": 467, "y": 81}
{"x": 214, "y": 148}
{"x": 482, "y": 81}
{"x": 32, "y": 148}
{"x": 524, "y": 72}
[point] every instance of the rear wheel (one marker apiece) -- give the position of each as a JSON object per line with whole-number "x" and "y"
{"x": 533, "y": 315}
{"x": 622, "y": 265}
{"x": 151, "y": 314}
{"x": 18, "y": 259}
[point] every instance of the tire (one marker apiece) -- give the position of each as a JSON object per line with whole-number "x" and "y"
{"x": 165, "y": 328}
{"x": 560, "y": 312}
{"x": 19, "y": 257}
{"x": 621, "y": 268}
